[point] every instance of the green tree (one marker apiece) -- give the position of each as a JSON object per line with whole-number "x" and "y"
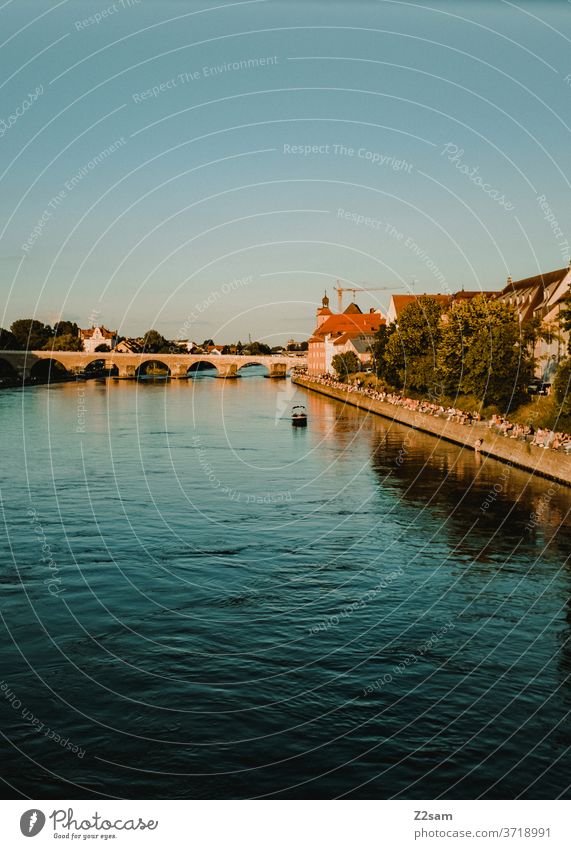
{"x": 258, "y": 348}
{"x": 102, "y": 348}
{"x": 565, "y": 320}
{"x": 484, "y": 352}
{"x": 66, "y": 342}
{"x": 8, "y": 341}
{"x": 155, "y": 343}
{"x": 411, "y": 350}
{"x": 379, "y": 347}
{"x": 31, "y": 334}
{"x": 346, "y": 364}
{"x": 562, "y": 388}
{"x": 66, "y": 328}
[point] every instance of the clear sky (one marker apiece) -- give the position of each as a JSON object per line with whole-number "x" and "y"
{"x": 208, "y": 168}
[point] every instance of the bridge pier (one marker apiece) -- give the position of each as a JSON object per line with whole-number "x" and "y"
{"x": 277, "y": 370}
{"x": 126, "y": 372}
{"x": 179, "y": 371}
{"x": 227, "y": 370}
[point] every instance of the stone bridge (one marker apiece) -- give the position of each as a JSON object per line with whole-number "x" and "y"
{"x": 24, "y": 364}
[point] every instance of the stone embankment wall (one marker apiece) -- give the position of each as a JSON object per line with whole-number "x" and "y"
{"x": 538, "y": 461}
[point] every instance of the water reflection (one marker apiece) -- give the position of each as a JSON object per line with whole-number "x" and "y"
{"x": 227, "y": 601}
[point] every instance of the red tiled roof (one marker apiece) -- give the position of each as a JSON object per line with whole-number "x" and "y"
{"x": 402, "y": 301}
{"x": 358, "y": 323}
{"x": 466, "y": 296}
{"x": 539, "y": 280}
{"x": 107, "y": 334}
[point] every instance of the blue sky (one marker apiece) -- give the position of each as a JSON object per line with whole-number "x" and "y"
{"x": 232, "y": 160}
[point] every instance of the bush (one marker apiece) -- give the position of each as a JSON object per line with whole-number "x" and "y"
{"x": 562, "y": 388}
{"x": 346, "y": 364}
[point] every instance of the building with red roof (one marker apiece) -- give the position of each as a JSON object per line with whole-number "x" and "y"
{"x": 340, "y": 332}
{"x": 93, "y": 337}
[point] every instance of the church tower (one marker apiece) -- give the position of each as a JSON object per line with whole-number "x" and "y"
{"x": 323, "y": 311}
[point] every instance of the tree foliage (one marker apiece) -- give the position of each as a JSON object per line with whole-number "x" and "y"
{"x": 411, "y": 348}
{"x": 565, "y": 320}
{"x": 379, "y": 347}
{"x": 65, "y": 342}
{"x": 346, "y": 364}
{"x": 31, "y": 334}
{"x": 562, "y": 387}
{"x": 155, "y": 343}
{"x": 257, "y": 348}
{"x": 8, "y": 341}
{"x": 66, "y": 328}
{"x": 484, "y": 352}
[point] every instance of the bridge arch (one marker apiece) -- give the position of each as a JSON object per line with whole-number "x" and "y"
{"x": 152, "y": 368}
{"x": 202, "y": 368}
{"x": 48, "y": 369}
{"x": 98, "y": 365}
{"x": 8, "y": 374}
{"x": 254, "y": 368}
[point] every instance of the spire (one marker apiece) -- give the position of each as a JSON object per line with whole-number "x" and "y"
{"x": 325, "y": 300}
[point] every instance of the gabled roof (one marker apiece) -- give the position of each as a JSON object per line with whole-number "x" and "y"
{"x": 132, "y": 345}
{"x": 542, "y": 280}
{"x": 107, "y": 334}
{"x": 352, "y": 309}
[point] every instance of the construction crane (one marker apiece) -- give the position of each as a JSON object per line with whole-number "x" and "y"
{"x": 340, "y": 289}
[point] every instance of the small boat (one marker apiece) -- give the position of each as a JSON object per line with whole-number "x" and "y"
{"x": 299, "y": 416}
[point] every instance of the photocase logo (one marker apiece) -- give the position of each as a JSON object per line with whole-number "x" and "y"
{"x": 32, "y": 822}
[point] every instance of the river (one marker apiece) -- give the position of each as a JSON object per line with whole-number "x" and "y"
{"x": 200, "y": 601}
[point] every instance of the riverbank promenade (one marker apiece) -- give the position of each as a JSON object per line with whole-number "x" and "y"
{"x": 537, "y": 460}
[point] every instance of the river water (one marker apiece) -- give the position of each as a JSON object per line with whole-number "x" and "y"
{"x": 198, "y": 600}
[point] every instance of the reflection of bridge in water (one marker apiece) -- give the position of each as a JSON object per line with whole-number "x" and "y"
{"x": 26, "y": 364}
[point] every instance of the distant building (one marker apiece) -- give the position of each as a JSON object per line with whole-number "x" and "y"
{"x": 128, "y": 346}
{"x": 351, "y": 329}
{"x": 360, "y": 345}
{"x": 95, "y": 336}
{"x": 541, "y": 297}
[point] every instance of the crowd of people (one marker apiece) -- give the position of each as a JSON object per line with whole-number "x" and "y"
{"x": 541, "y": 437}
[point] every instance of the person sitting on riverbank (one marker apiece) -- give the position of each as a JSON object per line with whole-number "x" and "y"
{"x": 542, "y": 438}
